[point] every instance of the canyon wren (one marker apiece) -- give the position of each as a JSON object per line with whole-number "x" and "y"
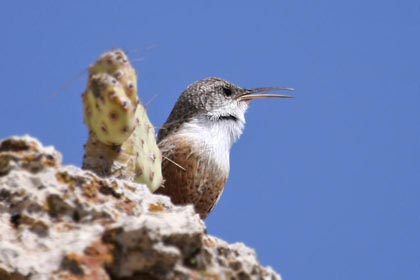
{"x": 195, "y": 141}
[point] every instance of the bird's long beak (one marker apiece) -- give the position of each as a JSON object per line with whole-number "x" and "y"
{"x": 259, "y": 93}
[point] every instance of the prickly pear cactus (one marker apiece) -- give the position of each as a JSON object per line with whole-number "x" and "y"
{"x": 122, "y": 140}
{"x": 111, "y": 98}
{"x": 109, "y": 113}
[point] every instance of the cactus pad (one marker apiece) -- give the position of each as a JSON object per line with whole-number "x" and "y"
{"x": 108, "y": 111}
{"x": 116, "y": 64}
{"x": 122, "y": 140}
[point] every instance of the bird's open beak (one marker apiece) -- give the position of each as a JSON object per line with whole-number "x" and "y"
{"x": 259, "y": 93}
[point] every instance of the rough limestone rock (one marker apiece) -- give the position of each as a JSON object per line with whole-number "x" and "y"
{"x": 61, "y": 222}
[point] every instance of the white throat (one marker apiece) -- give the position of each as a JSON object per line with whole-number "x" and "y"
{"x": 213, "y": 138}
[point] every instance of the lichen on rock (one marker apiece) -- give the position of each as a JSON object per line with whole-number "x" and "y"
{"x": 61, "y": 222}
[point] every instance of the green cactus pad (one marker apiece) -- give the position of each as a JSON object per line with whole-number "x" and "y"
{"x": 116, "y": 64}
{"x": 122, "y": 140}
{"x": 109, "y": 113}
{"x": 148, "y": 156}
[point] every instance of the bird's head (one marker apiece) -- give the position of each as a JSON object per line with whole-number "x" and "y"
{"x": 217, "y": 101}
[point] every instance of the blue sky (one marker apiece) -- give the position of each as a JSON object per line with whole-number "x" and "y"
{"x": 324, "y": 186}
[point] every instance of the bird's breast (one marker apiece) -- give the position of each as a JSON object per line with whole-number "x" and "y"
{"x": 191, "y": 177}
{"x": 212, "y": 140}
{"x": 197, "y": 165}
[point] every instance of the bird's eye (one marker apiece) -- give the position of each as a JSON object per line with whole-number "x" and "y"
{"x": 227, "y": 91}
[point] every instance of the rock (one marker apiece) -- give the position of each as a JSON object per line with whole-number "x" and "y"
{"x": 61, "y": 222}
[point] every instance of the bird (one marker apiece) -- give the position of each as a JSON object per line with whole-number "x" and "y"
{"x": 196, "y": 139}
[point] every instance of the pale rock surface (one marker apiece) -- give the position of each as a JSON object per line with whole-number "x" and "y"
{"x": 61, "y": 222}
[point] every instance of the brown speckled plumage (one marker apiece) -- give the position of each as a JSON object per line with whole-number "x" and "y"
{"x": 197, "y": 182}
